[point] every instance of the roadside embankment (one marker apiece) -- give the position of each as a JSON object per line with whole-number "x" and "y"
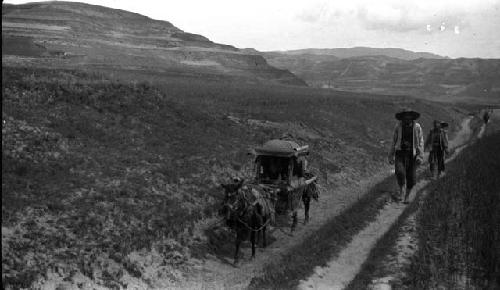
{"x": 459, "y": 225}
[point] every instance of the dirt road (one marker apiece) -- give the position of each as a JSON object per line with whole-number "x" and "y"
{"x": 215, "y": 273}
{"x": 342, "y": 269}
{"x": 393, "y": 264}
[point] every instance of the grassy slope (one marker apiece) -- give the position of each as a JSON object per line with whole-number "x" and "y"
{"x": 94, "y": 168}
{"x": 459, "y": 226}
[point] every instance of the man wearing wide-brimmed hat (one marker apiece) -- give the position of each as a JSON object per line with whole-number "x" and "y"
{"x": 437, "y": 144}
{"x": 486, "y": 116}
{"x": 406, "y": 151}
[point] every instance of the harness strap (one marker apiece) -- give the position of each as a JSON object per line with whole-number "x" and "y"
{"x": 250, "y": 228}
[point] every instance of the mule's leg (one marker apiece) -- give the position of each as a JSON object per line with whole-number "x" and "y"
{"x": 295, "y": 220}
{"x": 258, "y": 220}
{"x": 252, "y": 239}
{"x": 237, "y": 244}
{"x": 264, "y": 241}
{"x": 307, "y": 203}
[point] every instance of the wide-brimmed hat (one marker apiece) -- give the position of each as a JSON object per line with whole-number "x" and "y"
{"x": 407, "y": 114}
{"x": 444, "y": 125}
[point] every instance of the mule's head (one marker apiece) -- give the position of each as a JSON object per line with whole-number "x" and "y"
{"x": 230, "y": 201}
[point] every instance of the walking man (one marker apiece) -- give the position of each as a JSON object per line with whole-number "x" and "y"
{"x": 486, "y": 116}
{"x": 406, "y": 151}
{"x": 437, "y": 144}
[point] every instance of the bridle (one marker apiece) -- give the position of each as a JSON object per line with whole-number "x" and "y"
{"x": 235, "y": 206}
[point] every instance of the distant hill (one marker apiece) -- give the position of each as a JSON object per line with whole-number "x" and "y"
{"x": 364, "y": 51}
{"x": 437, "y": 79}
{"x": 68, "y": 34}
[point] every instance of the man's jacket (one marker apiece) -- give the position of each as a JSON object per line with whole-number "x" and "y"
{"x": 439, "y": 137}
{"x": 418, "y": 140}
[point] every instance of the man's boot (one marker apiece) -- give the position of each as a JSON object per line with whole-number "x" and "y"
{"x": 402, "y": 192}
{"x": 434, "y": 172}
{"x": 407, "y": 196}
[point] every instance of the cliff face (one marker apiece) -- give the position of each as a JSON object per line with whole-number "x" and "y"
{"x": 64, "y": 34}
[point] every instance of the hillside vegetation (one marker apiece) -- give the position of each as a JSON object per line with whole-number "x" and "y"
{"x": 459, "y": 224}
{"x": 77, "y": 35}
{"x": 109, "y": 180}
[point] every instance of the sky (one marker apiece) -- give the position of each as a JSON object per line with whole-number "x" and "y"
{"x": 454, "y": 28}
